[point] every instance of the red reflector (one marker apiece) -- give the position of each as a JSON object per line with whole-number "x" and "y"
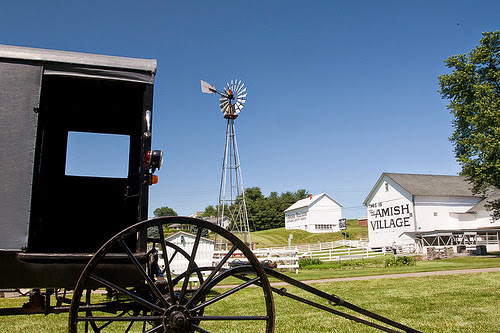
{"x": 154, "y": 179}
{"x": 147, "y": 158}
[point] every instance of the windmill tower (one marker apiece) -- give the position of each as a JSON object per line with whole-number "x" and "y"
{"x": 231, "y": 208}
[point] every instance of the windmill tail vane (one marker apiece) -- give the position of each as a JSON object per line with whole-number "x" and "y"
{"x": 233, "y": 97}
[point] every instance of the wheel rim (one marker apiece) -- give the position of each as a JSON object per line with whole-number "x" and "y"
{"x": 172, "y": 305}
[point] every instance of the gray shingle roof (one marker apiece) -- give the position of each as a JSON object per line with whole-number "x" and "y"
{"x": 433, "y": 185}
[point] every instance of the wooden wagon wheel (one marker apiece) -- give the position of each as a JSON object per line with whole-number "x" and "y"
{"x": 169, "y": 304}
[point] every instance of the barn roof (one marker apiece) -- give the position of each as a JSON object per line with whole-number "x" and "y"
{"x": 433, "y": 185}
{"x": 309, "y": 201}
{"x": 427, "y": 185}
{"x": 188, "y": 235}
{"x": 493, "y": 195}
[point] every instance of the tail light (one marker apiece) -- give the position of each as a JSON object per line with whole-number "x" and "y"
{"x": 153, "y": 159}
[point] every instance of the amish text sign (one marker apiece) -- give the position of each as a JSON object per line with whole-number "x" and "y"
{"x": 389, "y": 219}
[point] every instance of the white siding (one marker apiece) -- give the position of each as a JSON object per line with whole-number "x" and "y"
{"x": 434, "y": 213}
{"x": 322, "y": 214}
{"x": 392, "y": 210}
{"x": 390, "y": 213}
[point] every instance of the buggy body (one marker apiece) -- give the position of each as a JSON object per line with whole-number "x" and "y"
{"x": 55, "y": 211}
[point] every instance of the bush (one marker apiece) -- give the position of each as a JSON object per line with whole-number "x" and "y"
{"x": 303, "y": 262}
{"x": 399, "y": 261}
{"x": 314, "y": 263}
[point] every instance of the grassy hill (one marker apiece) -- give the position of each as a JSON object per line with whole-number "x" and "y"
{"x": 279, "y": 236}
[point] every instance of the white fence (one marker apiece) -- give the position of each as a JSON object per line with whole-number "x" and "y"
{"x": 284, "y": 258}
{"x": 287, "y": 257}
{"x": 303, "y": 248}
{"x": 330, "y": 251}
{"x": 342, "y": 254}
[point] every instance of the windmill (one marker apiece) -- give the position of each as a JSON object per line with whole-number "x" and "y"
{"x": 231, "y": 209}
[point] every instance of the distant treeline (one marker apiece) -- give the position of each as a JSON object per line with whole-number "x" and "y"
{"x": 265, "y": 212}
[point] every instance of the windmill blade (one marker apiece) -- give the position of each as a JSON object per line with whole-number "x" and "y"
{"x": 207, "y": 88}
{"x": 238, "y": 87}
{"x": 240, "y": 105}
{"x": 242, "y": 95}
{"x": 242, "y": 91}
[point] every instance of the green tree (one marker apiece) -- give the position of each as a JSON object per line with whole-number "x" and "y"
{"x": 209, "y": 211}
{"x": 265, "y": 212}
{"x": 268, "y": 212}
{"x": 473, "y": 89}
{"x": 164, "y": 211}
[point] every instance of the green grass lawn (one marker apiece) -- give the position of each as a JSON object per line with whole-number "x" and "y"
{"x": 457, "y": 303}
{"x": 279, "y": 236}
{"x": 374, "y": 266}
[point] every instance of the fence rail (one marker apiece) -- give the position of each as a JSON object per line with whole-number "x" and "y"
{"x": 302, "y": 248}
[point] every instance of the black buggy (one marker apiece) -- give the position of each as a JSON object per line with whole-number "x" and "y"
{"x": 80, "y": 238}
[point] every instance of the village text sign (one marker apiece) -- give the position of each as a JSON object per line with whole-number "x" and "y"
{"x": 390, "y": 216}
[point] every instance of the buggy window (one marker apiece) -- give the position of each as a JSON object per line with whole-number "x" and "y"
{"x": 97, "y": 155}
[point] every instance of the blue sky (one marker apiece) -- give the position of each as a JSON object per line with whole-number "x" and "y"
{"x": 338, "y": 91}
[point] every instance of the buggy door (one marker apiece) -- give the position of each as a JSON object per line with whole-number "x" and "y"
{"x": 74, "y": 209}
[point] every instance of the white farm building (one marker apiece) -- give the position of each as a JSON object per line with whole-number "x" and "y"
{"x": 421, "y": 211}
{"x": 184, "y": 242}
{"x": 317, "y": 213}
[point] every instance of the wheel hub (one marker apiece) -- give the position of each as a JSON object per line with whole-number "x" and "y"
{"x": 177, "y": 319}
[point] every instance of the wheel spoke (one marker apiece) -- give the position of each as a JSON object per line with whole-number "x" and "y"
{"x": 203, "y": 286}
{"x": 150, "y": 282}
{"x": 129, "y": 327}
{"x": 170, "y": 285}
{"x": 126, "y": 293}
{"x": 225, "y": 294}
{"x": 199, "y": 329}
{"x": 173, "y": 255}
{"x": 88, "y": 312}
{"x": 191, "y": 263}
{"x": 156, "y": 329}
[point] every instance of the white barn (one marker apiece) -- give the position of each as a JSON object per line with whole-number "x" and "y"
{"x": 317, "y": 213}
{"x": 428, "y": 210}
